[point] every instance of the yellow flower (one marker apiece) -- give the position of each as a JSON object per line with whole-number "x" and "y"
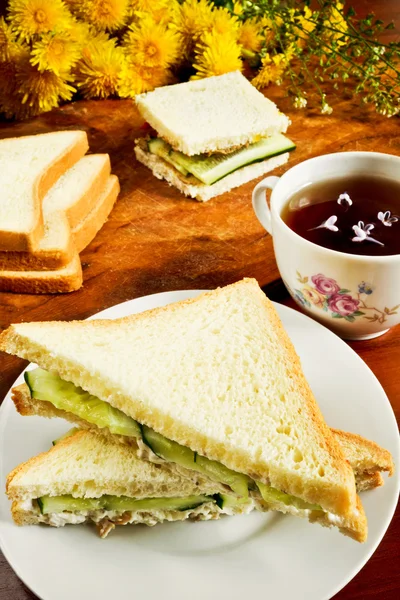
{"x": 55, "y": 52}
{"x": 335, "y": 20}
{"x": 6, "y": 41}
{"x": 305, "y": 25}
{"x": 218, "y": 54}
{"x": 271, "y": 70}
{"x": 137, "y": 79}
{"x": 192, "y": 20}
{"x": 313, "y": 296}
{"x": 31, "y": 17}
{"x": 39, "y": 91}
{"x": 161, "y": 11}
{"x": 99, "y": 70}
{"x": 104, "y": 14}
{"x": 223, "y": 22}
{"x": 250, "y": 35}
{"x": 151, "y": 44}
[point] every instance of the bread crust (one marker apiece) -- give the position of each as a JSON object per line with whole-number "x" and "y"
{"x": 68, "y": 278}
{"x": 28, "y": 241}
{"x": 73, "y": 216}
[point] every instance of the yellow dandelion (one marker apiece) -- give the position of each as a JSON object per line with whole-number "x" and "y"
{"x": 271, "y": 70}
{"x": 193, "y": 19}
{"x": 138, "y": 79}
{"x": 305, "y": 26}
{"x": 40, "y": 91}
{"x": 335, "y": 20}
{"x": 223, "y": 22}
{"x": 7, "y": 41}
{"x": 218, "y": 54}
{"x": 151, "y": 44}
{"x": 161, "y": 11}
{"x": 250, "y": 36}
{"x": 99, "y": 71}
{"x": 32, "y": 17}
{"x": 104, "y": 14}
{"x": 55, "y": 52}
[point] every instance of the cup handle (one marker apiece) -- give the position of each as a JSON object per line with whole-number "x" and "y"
{"x": 260, "y": 204}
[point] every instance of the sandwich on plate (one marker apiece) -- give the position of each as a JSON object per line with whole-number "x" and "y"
{"x": 90, "y": 478}
{"x": 211, "y": 385}
{"x": 85, "y": 477}
{"x": 211, "y": 135}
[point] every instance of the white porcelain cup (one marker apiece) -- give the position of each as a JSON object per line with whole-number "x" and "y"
{"x": 358, "y": 297}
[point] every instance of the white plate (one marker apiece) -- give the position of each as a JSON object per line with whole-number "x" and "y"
{"x": 235, "y": 558}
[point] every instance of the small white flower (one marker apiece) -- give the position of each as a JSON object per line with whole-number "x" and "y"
{"x": 326, "y": 109}
{"x": 387, "y": 219}
{"x": 344, "y": 200}
{"x": 362, "y": 233}
{"x": 300, "y": 102}
{"x": 328, "y": 224}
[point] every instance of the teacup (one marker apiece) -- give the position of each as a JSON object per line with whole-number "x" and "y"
{"x": 358, "y": 297}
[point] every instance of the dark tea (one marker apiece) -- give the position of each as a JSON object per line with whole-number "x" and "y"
{"x": 357, "y": 214}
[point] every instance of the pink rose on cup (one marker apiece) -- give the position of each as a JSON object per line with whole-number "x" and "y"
{"x": 325, "y": 285}
{"x": 343, "y": 304}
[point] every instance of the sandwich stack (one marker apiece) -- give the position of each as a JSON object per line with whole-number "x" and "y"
{"x": 211, "y": 135}
{"x": 53, "y": 201}
{"x": 212, "y": 392}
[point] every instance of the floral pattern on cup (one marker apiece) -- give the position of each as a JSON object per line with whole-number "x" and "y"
{"x": 325, "y": 293}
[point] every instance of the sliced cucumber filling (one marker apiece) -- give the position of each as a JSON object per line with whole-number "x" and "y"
{"x": 66, "y": 396}
{"x": 58, "y": 504}
{"x": 211, "y": 168}
{"x": 185, "y": 457}
{"x": 160, "y": 148}
{"x": 227, "y": 501}
{"x": 65, "y": 435}
{"x": 272, "y": 495}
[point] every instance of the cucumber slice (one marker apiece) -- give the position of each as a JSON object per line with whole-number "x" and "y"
{"x": 272, "y": 495}
{"x": 227, "y": 501}
{"x": 174, "y": 452}
{"x": 124, "y": 503}
{"x": 167, "y": 449}
{"x": 66, "y": 396}
{"x": 210, "y": 169}
{"x": 160, "y": 148}
{"x": 58, "y": 504}
{"x": 65, "y": 436}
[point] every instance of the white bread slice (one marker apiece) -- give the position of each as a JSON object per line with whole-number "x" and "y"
{"x": 29, "y": 166}
{"x": 212, "y": 114}
{"x": 366, "y": 458}
{"x": 217, "y": 373}
{"x": 65, "y": 205}
{"x": 69, "y": 277}
{"x": 86, "y": 465}
{"x": 198, "y": 190}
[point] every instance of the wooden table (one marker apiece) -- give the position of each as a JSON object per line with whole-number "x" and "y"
{"x": 155, "y": 240}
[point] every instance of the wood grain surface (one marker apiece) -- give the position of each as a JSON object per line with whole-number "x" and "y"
{"x": 156, "y": 240}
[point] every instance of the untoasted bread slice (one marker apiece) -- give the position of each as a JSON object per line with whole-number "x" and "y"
{"x": 366, "y": 458}
{"x": 195, "y": 188}
{"x": 217, "y": 373}
{"x": 212, "y": 114}
{"x": 29, "y": 166}
{"x": 65, "y": 206}
{"x": 69, "y": 277}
